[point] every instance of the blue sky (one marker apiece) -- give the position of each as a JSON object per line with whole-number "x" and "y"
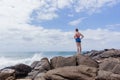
{"x": 48, "y": 25}
{"x": 107, "y": 15}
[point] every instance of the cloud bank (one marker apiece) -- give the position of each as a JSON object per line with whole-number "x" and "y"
{"x": 17, "y": 35}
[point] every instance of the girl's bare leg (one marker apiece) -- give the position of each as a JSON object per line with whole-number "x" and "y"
{"x": 78, "y": 48}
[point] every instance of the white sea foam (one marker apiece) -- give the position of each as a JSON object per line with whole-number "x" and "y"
{"x": 11, "y": 59}
{"x": 8, "y": 61}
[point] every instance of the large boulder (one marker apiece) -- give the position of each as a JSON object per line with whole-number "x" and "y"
{"x": 34, "y": 64}
{"x": 106, "y": 53}
{"x": 85, "y": 60}
{"x": 21, "y": 70}
{"x": 110, "y": 53}
{"x": 43, "y": 64}
{"x": 106, "y": 75}
{"x": 60, "y": 61}
{"x": 110, "y": 64}
{"x": 81, "y": 72}
{"x": 23, "y": 79}
{"x": 93, "y": 53}
{"x": 39, "y": 67}
{"x": 40, "y": 76}
{"x": 7, "y": 74}
{"x": 32, "y": 74}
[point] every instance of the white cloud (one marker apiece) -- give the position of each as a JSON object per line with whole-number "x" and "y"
{"x": 113, "y": 27}
{"x": 17, "y": 35}
{"x": 16, "y": 11}
{"x": 93, "y": 6}
{"x": 64, "y": 3}
{"x": 71, "y": 15}
{"x": 77, "y": 21}
{"x": 101, "y": 39}
{"x": 48, "y": 9}
{"x": 30, "y": 38}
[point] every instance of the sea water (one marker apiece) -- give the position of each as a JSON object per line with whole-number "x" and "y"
{"x": 13, "y": 58}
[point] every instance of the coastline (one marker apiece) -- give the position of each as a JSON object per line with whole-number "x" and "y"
{"x": 13, "y": 58}
{"x": 91, "y": 66}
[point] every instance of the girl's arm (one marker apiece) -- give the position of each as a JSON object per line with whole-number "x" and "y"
{"x": 82, "y": 36}
{"x": 75, "y": 36}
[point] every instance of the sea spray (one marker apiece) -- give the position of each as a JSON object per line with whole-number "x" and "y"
{"x": 10, "y": 61}
{"x": 13, "y": 58}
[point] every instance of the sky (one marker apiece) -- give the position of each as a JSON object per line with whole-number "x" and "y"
{"x": 49, "y": 25}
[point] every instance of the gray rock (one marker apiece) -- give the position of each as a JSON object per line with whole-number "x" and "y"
{"x": 21, "y": 70}
{"x": 34, "y": 64}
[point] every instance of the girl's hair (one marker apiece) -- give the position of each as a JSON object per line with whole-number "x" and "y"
{"x": 76, "y": 29}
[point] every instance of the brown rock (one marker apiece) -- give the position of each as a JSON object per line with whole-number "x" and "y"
{"x": 6, "y": 74}
{"x": 40, "y": 76}
{"x": 10, "y": 78}
{"x": 116, "y": 69}
{"x": 81, "y": 72}
{"x": 106, "y": 53}
{"x": 34, "y": 64}
{"x": 103, "y": 75}
{"x": 32, "y": 74}
{"x": 23, "y": 79}
{"x": 110, "y": 64}
{"x": 85, "y": 60}
{"x": 41, "y": 67}
{"x": 43, "y": 63}
{"x": 62, "y": 61}
{"x": 106, "y": 75}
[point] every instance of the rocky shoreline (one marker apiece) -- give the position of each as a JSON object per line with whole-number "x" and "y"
{"x": 93, "y": 65}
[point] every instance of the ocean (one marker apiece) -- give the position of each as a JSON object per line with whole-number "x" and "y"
{"x": 13, "y": 58}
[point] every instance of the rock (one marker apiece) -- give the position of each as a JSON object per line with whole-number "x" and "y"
{"x": 32, "y": 74}
{"x": 97, "y": 55}
{"x": 106, "y": 75}
{"x": 23, "y": 79}
{"x": 93, "y": 65}
{"x": 103, "y": 75}
{"x": 7, "y": 74}
{"x": 110, "y": 64}
{"x": 116, "y": 69}
{"x": 102, "y": 54}
{"x": 85, "y": 60}
{"x": 60, "y": 61}
{"x": 34, "y": 64}
{"x": 10, "y": 78}
{"x": 81, "y": 72}
{"x": 43, "y": 64}
{"x": 21, "y": 70}
{"x": 93, "y": 53}
{"x": 109, "y": 53}
{"x": 41, "y": 67}
{"x": 40, "y": 76}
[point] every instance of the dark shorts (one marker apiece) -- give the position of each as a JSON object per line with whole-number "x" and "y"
{"x": 78, "y": 40}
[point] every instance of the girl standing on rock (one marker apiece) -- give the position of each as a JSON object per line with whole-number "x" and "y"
{"x": 78, "y": 36}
